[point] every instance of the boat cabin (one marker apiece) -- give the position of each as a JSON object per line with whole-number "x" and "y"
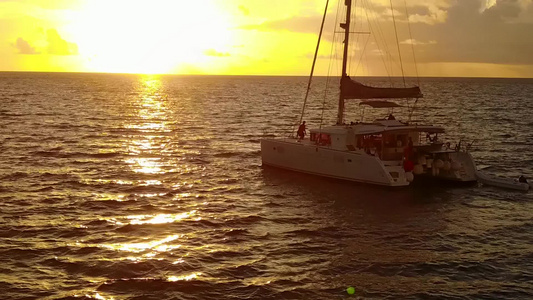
{"x": 389, "y": 143}
{"x": 334, "y": 137}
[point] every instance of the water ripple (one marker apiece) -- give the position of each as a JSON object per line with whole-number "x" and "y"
{"x": 151, "y": 187}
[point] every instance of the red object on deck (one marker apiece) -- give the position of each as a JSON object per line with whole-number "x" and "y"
{"x": 408, "y": 165}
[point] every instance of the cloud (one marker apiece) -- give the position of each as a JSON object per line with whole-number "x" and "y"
{"x": 213, "y": 52}
{"x": 24, "y": 47}
{"x": 416, "y": 42}
{"x": 487, "y": 4}
{"x": 301, "y": 24}
{"x": 58, "y": 46}
{"x": 503, "y": 10}
{"x": 310, "y": 24}
{"x": 245, "y": 11}
{"x": 432, "y": 14}
{"x": 51, "y": 43}
{"x": 477, "y": 31}
{"x": 474, "y": 33}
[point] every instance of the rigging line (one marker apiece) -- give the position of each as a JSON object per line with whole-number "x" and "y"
{"x": 338, "y": 51}
{"x": 333, "y": 46}
{"x": 334, "y": 42}
{"x": 379, "y": 48}
{"x": 353, "y": 43}
{"x": 314, "y": 61}
{"x": 411, "y": 110}
{"x": 381, "y": 35}
{"x": 362, "y": 56}
{"x": 397, "y": 43}
{"x": 412, "y": 43}
{"x": 325, "y": 95}
{"x": 373, "y": 18}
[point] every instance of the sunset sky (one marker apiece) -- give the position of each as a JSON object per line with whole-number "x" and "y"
{"x": 473, "y": 38}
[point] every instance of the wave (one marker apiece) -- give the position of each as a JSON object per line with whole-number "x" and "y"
{"x": 148, "y": 285}
{"x": 15, "y": 176}
{"x": 58, "y": 153}
{"x": 243, "y": 221}
{"x": 238, "y": 154}
{"x": 70, "y": 186}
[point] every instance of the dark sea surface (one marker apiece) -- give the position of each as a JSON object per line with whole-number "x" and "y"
{"x": 151, "y": 187}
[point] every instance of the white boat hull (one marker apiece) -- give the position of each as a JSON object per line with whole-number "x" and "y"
{"x": 354, "y": 166}
{"x": 502, "y": 182}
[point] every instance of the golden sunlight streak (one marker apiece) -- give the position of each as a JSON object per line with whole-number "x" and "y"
{"x": 158, "y": 246}
{"x": 145, "y": 165}
{"x": 98, "y": 297}
{"x": 151, "y": 111}
{"x": 152, "y": 219}
{"x": 184, "y": 277}
{"x": 160, "y": 219}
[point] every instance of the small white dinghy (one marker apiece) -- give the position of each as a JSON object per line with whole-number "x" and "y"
{"x": 502, "y": 182}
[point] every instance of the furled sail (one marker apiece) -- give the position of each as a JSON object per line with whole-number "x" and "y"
{"x": 351, "y": 89}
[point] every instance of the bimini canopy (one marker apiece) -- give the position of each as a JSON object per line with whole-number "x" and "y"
{"x": 416, "y": 128}
{"x": 380, "y": 104}
{"x": 374, "y": 129}
{"x": 351, "y": 89}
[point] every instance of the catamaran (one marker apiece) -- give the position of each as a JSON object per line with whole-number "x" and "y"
{"x": 386, "y": 152}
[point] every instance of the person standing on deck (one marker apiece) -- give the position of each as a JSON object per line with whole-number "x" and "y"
{"x": 408, "y": 151}
{"x": 301, "y": 131}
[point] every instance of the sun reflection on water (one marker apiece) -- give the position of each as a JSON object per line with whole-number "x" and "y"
{"x": 98, "y": 297}
{"x": 152, "y": 219}
{"x": 158, "y": 245}
{"x": 145, "y": 165}
{"x": 151, "y": 124}
{"x": 152, "y": 162}
{"x": 184, "y": 277}
{"x": 160, "y": 219}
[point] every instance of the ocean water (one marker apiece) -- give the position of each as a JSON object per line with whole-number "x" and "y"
{"x": 151, "y": 187}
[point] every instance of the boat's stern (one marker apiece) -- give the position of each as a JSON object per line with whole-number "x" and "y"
{"x": 467, "y": 170}
{"x": 457, "y": 166}
{"x": 397, "y": 176}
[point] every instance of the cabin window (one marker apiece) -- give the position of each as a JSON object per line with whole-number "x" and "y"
{"x": 368, "y": 141}
{"x": 324, "y": 139}
{"x": 371, "y": 144}
{"x": 372, "y": 141}
{"x": 359, "y": 142}
{"x": 389, "y": 140}
{"x": 401, "y": 140}
{"x": 313, "y": 136}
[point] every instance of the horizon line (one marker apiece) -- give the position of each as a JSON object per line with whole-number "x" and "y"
{"x": 255, "y": 75}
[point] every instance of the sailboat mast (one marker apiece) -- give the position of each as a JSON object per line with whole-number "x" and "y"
{"x": 346, "y": 27}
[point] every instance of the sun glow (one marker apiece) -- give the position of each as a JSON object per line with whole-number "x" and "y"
{"x": 150, "y": 37}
